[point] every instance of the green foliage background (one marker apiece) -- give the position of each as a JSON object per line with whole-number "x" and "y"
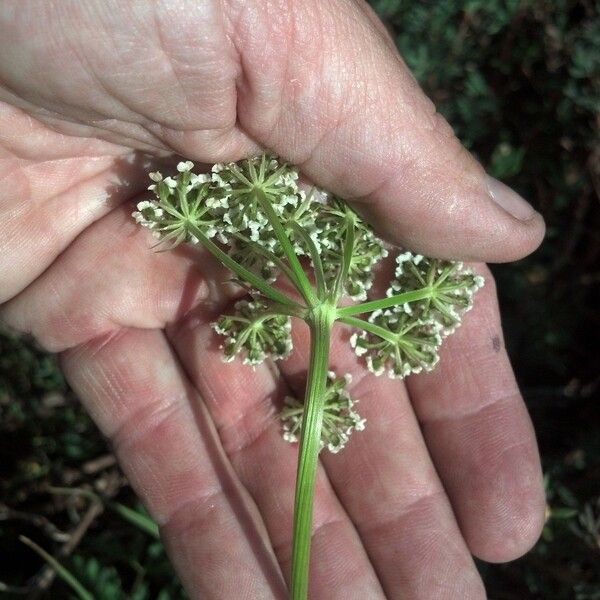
{"x": 519, "y": 80}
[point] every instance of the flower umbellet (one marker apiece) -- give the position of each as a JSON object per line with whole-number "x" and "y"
{"x": 256, "y": 332}
{"x": 260, "y": 223}
{"x": 339, "y": 420}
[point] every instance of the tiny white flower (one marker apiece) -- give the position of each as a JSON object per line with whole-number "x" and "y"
{"x": 289, "y": 437}
{"x": 145, "y": 204}
{"x": 196, "y": 180}
{"x": 185, "y": 166}
{"x": 360, "y": 425}
{"x": 376, "y": 371}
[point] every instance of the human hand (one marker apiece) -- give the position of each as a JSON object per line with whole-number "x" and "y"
{"x": 447, "y": 465}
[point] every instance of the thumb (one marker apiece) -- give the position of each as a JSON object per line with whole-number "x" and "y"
{"x": 323, "y": 86}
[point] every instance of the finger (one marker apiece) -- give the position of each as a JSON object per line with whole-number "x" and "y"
{"x": 322, "y": 86}
{"x": 480, "y": 436}
{"x": 131, "y": 385}
{"x": 90, "y": 290}
{"x": 388, "y": 485}
{"x": 53, "y": 187}
{"x": 243, "y": 402}
{"x": 138, "y": 74}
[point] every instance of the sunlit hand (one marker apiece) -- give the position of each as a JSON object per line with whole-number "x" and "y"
{"x": 91, "y": 94}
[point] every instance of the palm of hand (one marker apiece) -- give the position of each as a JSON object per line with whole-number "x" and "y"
{"x": 447, "y": 465}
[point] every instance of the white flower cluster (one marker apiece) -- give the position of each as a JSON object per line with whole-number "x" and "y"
{"x": 243, "y": 223}
{"x": 339, "y": 418}
{"x": 411, "y": 345}
{"x": 180, "y": 205}
{"x": 254, "y": 332}
{"x": 412, "y": 333}
{"x": 235, "y": 196}
{"x": 226, "y": 203}
{"x": 452, "y": 286}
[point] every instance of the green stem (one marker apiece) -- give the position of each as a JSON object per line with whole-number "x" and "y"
{"x": 308, "y": 454}
{"x": 300, "y": 280}
{"x": 381, "y": 332}
{"x": 290, "y": 311}
{"x": 365, "y": 307}
{"x": 134, "y": 517}
{"x": 268, "y": 255}
{"x": 316, "y": 259}
{"x": 338, "y": 288}
{"x": 61, "y": 571}
{"x": 137, "y": 519}
{"x": 258, "y": 282}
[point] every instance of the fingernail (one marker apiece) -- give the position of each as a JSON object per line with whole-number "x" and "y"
{"x": 509, "y": 200}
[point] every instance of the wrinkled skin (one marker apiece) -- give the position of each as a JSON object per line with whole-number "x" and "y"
{"x": 94, "y": 94}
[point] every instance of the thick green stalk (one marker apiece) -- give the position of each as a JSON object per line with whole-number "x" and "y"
{"x": 320, "y": 333}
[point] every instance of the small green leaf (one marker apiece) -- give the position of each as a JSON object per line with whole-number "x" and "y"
{"x": 139, "y": 520}
{"x": 563, "y": 513}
